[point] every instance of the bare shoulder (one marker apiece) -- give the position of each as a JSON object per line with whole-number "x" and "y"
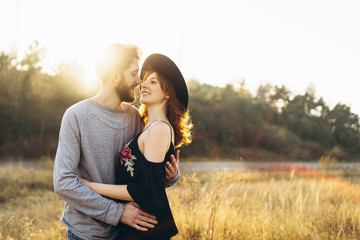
{"x": 159, "y": 130}
{"x": 156, "y": 141}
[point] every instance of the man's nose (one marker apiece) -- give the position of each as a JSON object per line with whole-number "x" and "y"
{"x": 138, "y": 81}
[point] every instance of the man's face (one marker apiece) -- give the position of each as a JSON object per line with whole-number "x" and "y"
{"x": 129, "y": 81}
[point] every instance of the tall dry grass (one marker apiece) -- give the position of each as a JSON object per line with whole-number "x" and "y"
{"x": 236, "y": 205}
{"x": 29, "y": 209}
{"x": 219, "y": 205}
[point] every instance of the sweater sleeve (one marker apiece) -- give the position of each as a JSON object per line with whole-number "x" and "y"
{"x": 169, "y": 183}
{"x": 67, "y": 183}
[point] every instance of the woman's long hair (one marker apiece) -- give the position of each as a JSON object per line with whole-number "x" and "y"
{"x": 179, "y": 118}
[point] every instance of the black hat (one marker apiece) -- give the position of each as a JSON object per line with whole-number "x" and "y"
{"x": 162, "y": 64}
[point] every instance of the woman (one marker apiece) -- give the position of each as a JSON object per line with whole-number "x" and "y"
{"x": 141, "y": 166}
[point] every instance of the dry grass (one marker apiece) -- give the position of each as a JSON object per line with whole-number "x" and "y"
{"x": 220, "y": 205}
{"x": 29, "y": 209}
{"x": 236, "y": 205}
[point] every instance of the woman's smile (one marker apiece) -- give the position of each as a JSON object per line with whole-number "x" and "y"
{"x": 144, "y": 92}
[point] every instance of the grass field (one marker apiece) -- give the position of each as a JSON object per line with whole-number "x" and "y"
{"x": 219, "y": 205}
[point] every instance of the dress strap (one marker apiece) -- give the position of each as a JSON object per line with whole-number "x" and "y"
{"x": 163, "y": 122}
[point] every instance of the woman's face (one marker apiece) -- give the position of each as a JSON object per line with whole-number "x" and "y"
{"x": 151, "y": 92}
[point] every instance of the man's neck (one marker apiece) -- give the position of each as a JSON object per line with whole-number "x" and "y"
{"x": 108, "y": 99}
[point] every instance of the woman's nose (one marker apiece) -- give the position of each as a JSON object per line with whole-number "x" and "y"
{"x": 143, "y": 84}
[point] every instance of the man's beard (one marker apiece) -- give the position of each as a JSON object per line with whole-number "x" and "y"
{"x": 124, "y": 92}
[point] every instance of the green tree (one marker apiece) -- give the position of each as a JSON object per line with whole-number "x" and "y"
{"x": 345, "y": 127}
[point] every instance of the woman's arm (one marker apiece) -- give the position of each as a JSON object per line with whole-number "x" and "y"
{"x": 109, "y": 190}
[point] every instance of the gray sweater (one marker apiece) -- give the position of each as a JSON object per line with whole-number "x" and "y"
{"x": 91, "y": 136}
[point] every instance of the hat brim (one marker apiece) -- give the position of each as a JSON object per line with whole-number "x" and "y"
{"x": 162, "y": 64}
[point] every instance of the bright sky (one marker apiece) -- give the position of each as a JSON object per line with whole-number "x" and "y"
{"x": 291, "y": 43}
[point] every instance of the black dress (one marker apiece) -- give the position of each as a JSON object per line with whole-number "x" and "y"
{"x": 145, "y": 182}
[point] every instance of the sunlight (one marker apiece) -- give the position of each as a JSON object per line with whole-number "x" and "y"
{"x": 212, "y": 41}
{"x": 72, "y": 35}
{"x": 74, "y": 39}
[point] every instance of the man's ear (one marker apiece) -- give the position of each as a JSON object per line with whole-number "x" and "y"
{"x": 115, "y": 76}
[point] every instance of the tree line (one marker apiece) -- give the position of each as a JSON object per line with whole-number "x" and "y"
{"x": 273, "y": 125}
{"x": 230, "y": 122}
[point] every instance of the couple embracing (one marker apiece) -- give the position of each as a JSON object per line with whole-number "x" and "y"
{"x": 114, "y": 161}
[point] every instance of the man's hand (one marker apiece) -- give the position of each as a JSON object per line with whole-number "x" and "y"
{"x": 135, "y": 217}
{"x": 171, "y": 169}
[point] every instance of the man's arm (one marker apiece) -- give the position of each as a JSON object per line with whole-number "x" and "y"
{"x": 67, "y": 183}
{"x": 69, "y": 187}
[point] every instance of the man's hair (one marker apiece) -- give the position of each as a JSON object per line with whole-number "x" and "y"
{"x": 116, "y": 57}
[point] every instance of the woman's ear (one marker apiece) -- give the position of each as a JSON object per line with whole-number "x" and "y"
{"x": 167, "y": 97}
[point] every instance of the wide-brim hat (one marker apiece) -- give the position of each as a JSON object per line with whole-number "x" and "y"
{"x": 162, "y": 64}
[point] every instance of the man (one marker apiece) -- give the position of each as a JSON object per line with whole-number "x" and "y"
{"x": 92, "y": 133}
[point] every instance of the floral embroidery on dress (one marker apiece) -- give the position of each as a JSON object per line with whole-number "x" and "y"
{"x": 127, "y": 158}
